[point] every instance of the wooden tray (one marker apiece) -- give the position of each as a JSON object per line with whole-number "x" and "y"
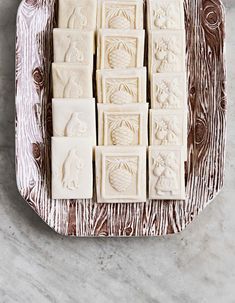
{"x": 206, "y": 134}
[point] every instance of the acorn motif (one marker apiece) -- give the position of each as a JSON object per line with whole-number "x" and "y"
{"x": 121, "y": 172}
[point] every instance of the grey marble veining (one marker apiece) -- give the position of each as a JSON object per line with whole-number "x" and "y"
{"x": 37, "y": 265}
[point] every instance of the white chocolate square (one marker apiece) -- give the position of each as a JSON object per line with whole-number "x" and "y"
{"x": 72, "y": 175}
{"x": 73, "y": 46}
{"x": 169, "y": 91}
{"x": 116, "y": 14}
{"x": 77, "y": 14}
{"x": 74, "y": 118}
{"x": 121, "y": 174}
{"x": 168, "y": 128}
{"x": 121, "y": 86}
{"x": 166, "y": 173}
{"x": 72, "y": 81}
{"x": 120, "y": 49}
{"x": 167, "y": 51}
{"x": 123, "y": 125}
{"x": 165, "y": 14}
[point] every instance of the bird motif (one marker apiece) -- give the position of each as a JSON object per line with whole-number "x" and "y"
{"x": 72, "y": 168}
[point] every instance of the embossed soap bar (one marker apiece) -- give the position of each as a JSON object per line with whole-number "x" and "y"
{"x": 168, "y": 91}
{"x": 72, "y": 176}
{"x": 73, "y": 46}
{"x": 124, "y": 125}
{"x": 74, "y": 118}
{"x": 116, "y": 14}
{"x": 72, "y": 81}
{"x": 78, "y": 14}
{"x": 167, "y": 51}
{"x": 120, "y": 49}
{"x": 121, "y": 86}
{"x": 121, "y": 174}
{"x": 165, "y": 14}
{"x": 168, "y": 128}
{"x": 166, "y": 173}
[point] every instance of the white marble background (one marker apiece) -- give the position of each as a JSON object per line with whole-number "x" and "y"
{"x": 39, "y": 266}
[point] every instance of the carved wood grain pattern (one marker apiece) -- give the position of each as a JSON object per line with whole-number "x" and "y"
{"x": 206, "y": 135}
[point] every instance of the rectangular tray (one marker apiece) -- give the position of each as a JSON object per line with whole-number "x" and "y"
{"x": 206, "y": 133}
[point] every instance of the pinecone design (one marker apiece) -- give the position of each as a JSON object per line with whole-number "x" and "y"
{"x": 120, "y": 179}
{"x": 121, "y": 97}
{"x": 122, "y": 135}
{"x": 119, "y": 58}
{"x": 119, "y": 22}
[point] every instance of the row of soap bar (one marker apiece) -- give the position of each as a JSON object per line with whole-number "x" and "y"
{"x": 73, "y": 106}
{"x": 118, "y": 124}
{"x": 168, "y": 117}
{"x": 121, "y": 172}
{"x": 106, "y": 14}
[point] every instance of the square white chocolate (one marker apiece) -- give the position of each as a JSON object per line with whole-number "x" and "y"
{"x": 116, "y": 14}
{"x": 77, "y": 14}
{"x": 73, "y": 46}
{"x": 123, "y": 125}
{"x": 166, "y": 173}
{"x": 168, "y": 128}
{"x": 72, "y": 81}
{"x": 165, "y": 14}
{"x": 120, "y": 49}
{"x": 121, "y": 174}
{"x": 169, "y": 91}
{"x": 167, "y": 51}
{"x": 72, "y": 174}
{"x": 74, "y": 118}
{"x": 121, "y": 86}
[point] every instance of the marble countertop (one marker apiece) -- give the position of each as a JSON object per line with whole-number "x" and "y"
{"x": 37, "y": 265}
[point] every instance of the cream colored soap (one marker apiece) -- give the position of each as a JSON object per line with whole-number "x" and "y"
{"x": 121, "y": 174}
{"x": 74, "y": 118}
{"x": 121, "y": 86}
{"x": 72, "y": 81}
{"x": 167, "y": 51}
{"x": 168, "y": 128}
{"x": 77, "y": 14}
{"x": 123, "y": 125}
{"x": 169, "y": 91}
{"x": 72, "y": 175}
{"x": 165, "y": 14}
{"x": 116, "y": 14}
{"x": 73, "y": 46}
{"x": 120, "y": 49}
{"x": 166, "y": 173}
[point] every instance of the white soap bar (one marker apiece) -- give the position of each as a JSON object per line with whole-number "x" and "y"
{"x": 116, "y": 14}
{"x": 120, "y": 49}
{"x": 74, "y": 118}
{"x": 166, "y": 173}
{"x": 124, "y": 125}
{"x": 167, "y": 51}
{"x": 168, "y": 128}
{"x": 77, "y": 14}
{"x": 72, "y": 175}
{"x": 169, "y": 91}
{"x": 72, "y": 81}
{"x": 121, "y": 174}
{"x": 121, "y": 86}
{"x": 165, "y": 14}
{"x": 73, "y": 46}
